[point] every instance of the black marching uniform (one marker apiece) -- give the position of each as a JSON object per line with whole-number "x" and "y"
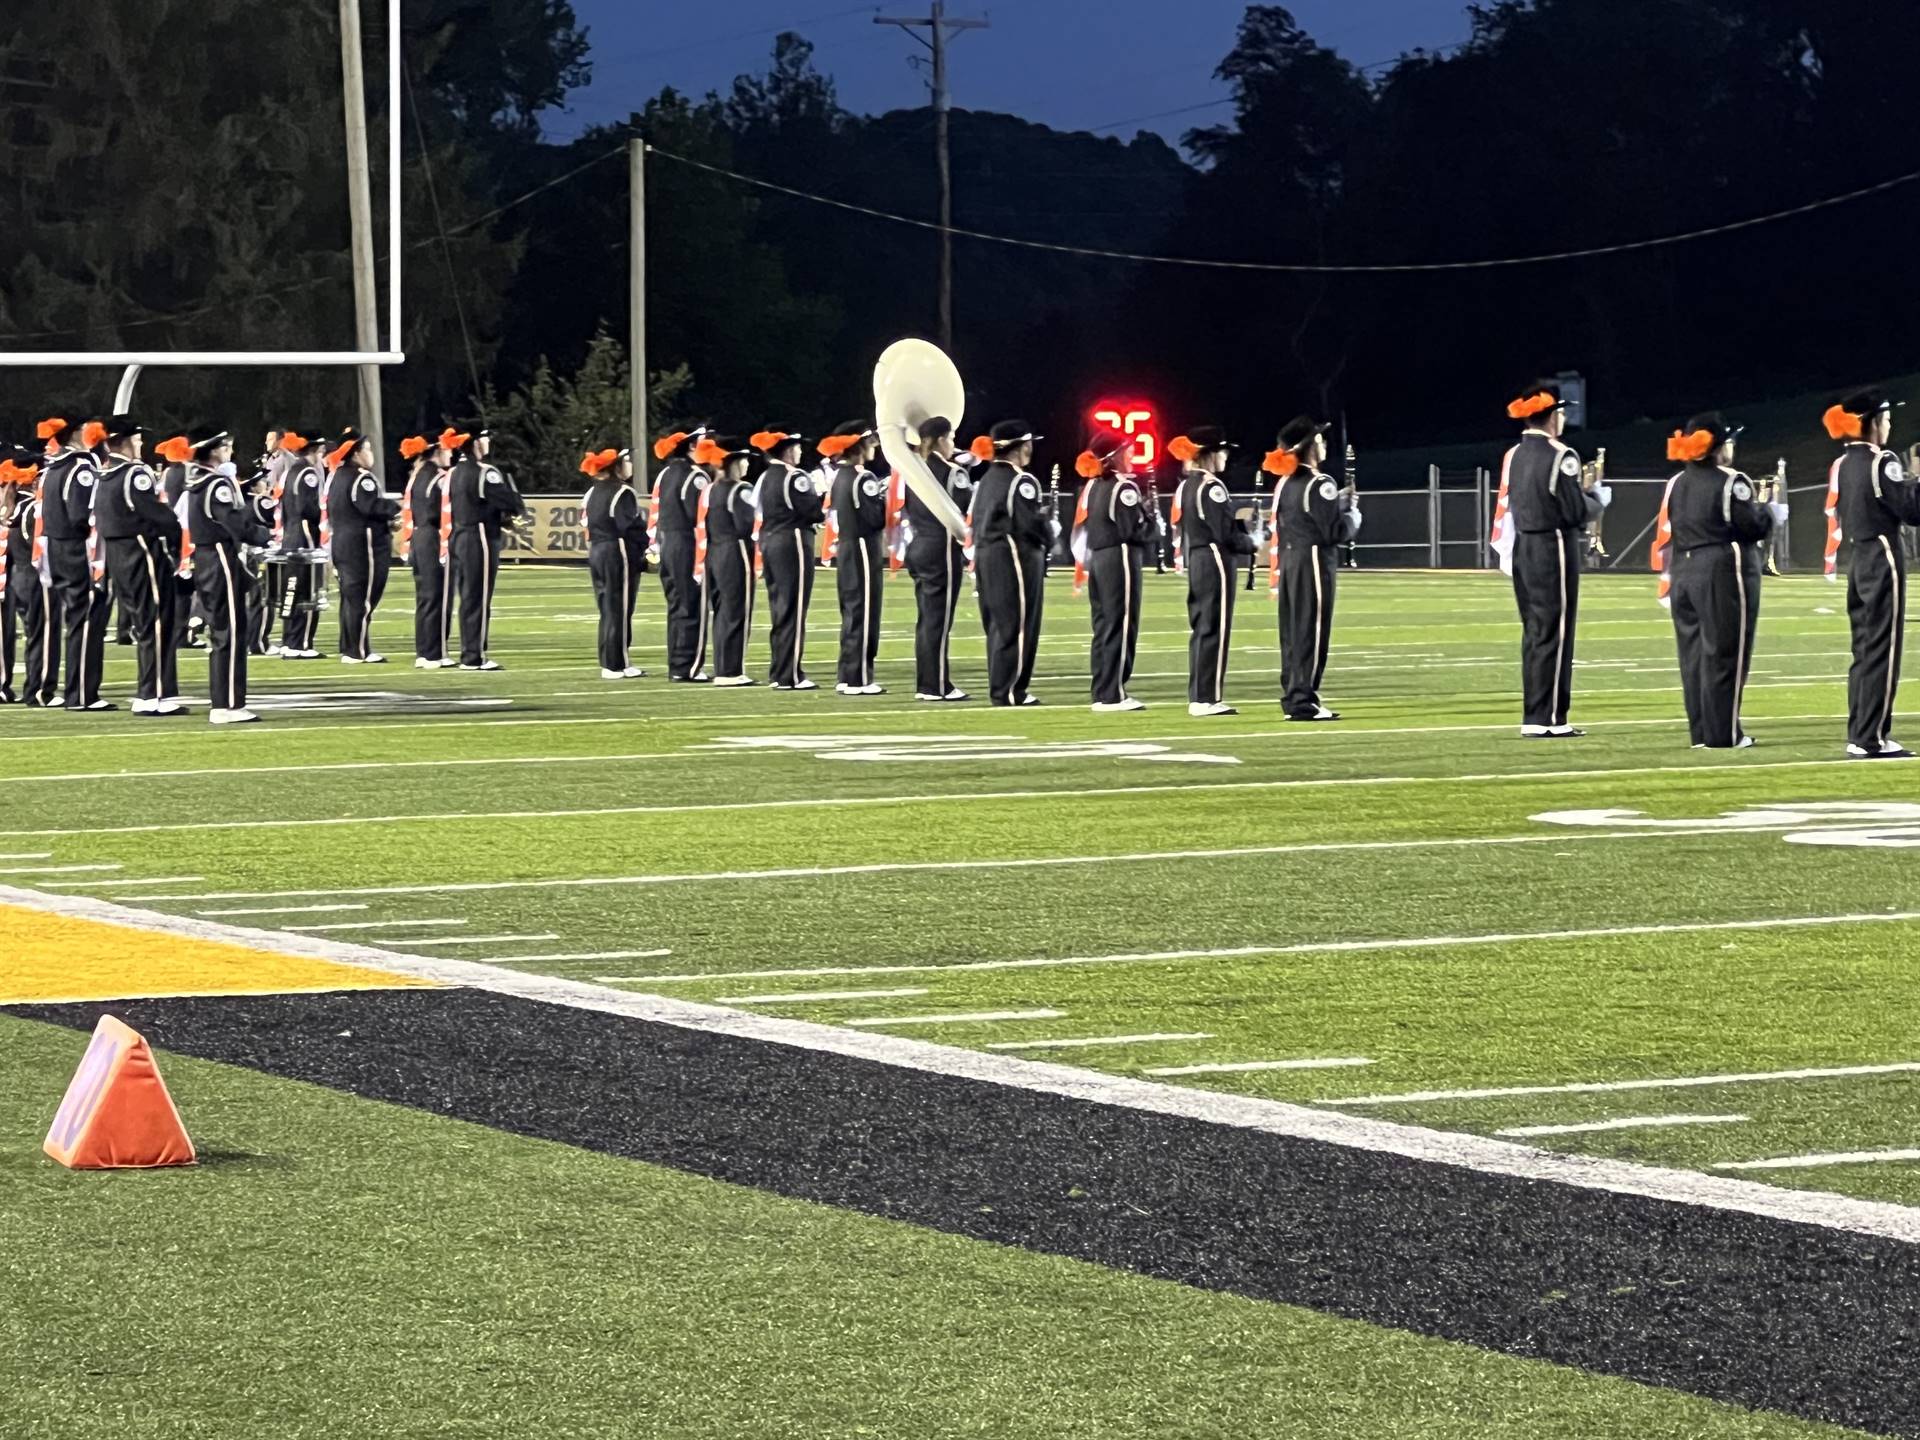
{"x": 860, "y": 568}
{"x": 300, "y": 502}
{"x": 1717, "y": 528}
{"x": 186, "y": 599}
{"x": 1876, "y": 499}
{"x": 140, "y": 534}
{"x": 790, "y": 511}
{"x": 730, "y": 577}
{"x": 220, "y": 522}
{"x": 1011, "y": 539}
{"x": 426, "y": 492}
{"x": 360, "y": 515}
{"x": 80, "y": 605}
{"x": 617, "y": 558}
{"x": 266, "y": 510}
{"x": 1550, "y": 512}
{"x": 938, "y": 565}
{"x": 26, "y": 602}
{"x": 1212, "y": 542}
{"x": 1117, "y": 535}
{"x": 1311, "y": 526}
{"x": 483, "y": 500}
{"x": 676, "y": 509}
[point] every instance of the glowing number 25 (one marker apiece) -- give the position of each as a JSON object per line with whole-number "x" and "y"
{"x": 1145, "y": 449}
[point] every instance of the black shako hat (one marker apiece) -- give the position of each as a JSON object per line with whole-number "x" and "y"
{"x": 1298, "y": 432}
{"x": 124, "y": 427}
{"x": 1534, "y": 400}
{"x": 1009, "y": 433}
{"x": 205, "y": 437}
{"x": 1208, "y": 438}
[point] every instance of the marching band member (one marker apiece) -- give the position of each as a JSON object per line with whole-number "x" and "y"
{"x": 728, "y": 515}
{"x": 1874, "y": 499}
{"x": 1115, "y": 531}
{"x": 427, "y": 534}
{"x": 1548, "y": 509}
{"x": 1716, "y": 522}
{"x": 483, "y": 500}
{"x": 1212, "y": 541}
{"x": 1011, "y": 536}
{"x": 66, "y": 517}
{"x": 266, "y": 486}
{"x": 616, "y": 524}
{"x": 859, "y": 502}
{"x": 1312, "y": 519}
{"x": 676, "y": 503}
{"x": 791, "y": 510}
{"x": 219, "y": 523}
{"x": 937, "y": 564}
{"x": 23, "y": 601}
{"x": 139, "y": 532}
{"x": 360, "y": 516}
{"x": 301, "y": 506}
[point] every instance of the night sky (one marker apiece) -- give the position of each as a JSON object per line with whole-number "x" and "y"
{"x": 1041, "y": 59}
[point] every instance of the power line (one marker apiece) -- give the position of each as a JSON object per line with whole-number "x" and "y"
{"x": 1271, "y": 267}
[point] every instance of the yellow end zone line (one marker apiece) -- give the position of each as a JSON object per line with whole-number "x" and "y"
{"x": 1827, "y": 1209}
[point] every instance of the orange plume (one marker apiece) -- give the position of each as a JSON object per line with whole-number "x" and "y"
{"x": 9, "y": 473}
{"x": 1695, "y": 446}
{"x": 338, "y": 457}
{"x": 708, "y": 453}
{"x": 47, "y": 429}
{"x": 834, "y": 446}
{"x": 179, "y": 449}
{"x": 1842, "y": 424}
{"x": 767, "y": 439}
{"x": 293, "y": 442}
{"x": 92, "y": 433}
{"x": 667, "y": 444}
{"x": 594, "y": 461}
{"x": 26, "y": 474}
{"x": 1182, "y": 449}
{"x": 1280, "y": 462}
{"x": 452, "y": 439}
{"x": 1531, "y": 405}
{"x": 1087, "y": 465}
{"x": 982, "y": 448}
{"x": 414, "y": 446}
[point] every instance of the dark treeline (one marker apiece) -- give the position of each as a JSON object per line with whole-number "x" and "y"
{"x": 155, "y": 206}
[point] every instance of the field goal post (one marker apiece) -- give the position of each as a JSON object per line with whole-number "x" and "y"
{"x": 132, "y": 362}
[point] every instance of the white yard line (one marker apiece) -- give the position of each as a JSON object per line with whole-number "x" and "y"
{"x": 1037, "y": 862}
{"x": 480, "y": 940}
{"x": 1242, "y": 1067}
{"x": 1308, "y": 947}
{"x": 1601, "y": 1087}
{"x": 55, "y": 869}
{"x": 378, "y": 925}
{"x": 596, "y": 955}
{"x": 30, "y": 855}
{"x": 281, "y": 909}
{"x": 972, "y": 1017}
{"x": 117, "y": 883}
{"x": 806, "y": 997}
{"x": 1838, "y": 1157}
{"x": 1095, "y": 1041}
{"x": 1629, "y": 1122}
{"x": 101, "y": 775}
{"x": 1246, "y": 1112}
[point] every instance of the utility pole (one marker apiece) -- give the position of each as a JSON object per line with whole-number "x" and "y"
{"x": 366, "y": 294}
{"x": 637, "y": 301}
{"x": 938, "y": 29}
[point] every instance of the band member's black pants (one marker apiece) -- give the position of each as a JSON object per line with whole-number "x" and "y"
{"x": 300, "y": 627}
{"x": 1012, "y": 594}
{"x": 28, "y": 600}
{"x": 83, "y": 607}
{"x": 1877, "y": 607}
{"x": 860, "y": 568}
{"x": 1546, "y": 585}
{"x": 362, "y": 564}
{"x": 1211, "y": 573}
{"x": 686, "y": 606}
{"x": 1113, "y": 587}
{"x": 222, "y": 584}
{"x": 432, "y": 596}
{"x": 137, "y": 570}
{"x": 1307, "y": 574}
{"x": 616, "y": 568}
{"x": 730, "y": 583}
{"x": 476, "y": 566}
{"x": 1716, "y": 603}
{"x": 788, "y": 558}
{"x": 937, "y": 566}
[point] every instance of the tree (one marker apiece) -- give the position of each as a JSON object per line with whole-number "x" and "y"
{"x": 545, "y": 426}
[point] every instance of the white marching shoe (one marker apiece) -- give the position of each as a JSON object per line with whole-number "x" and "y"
{"x": 231, "y": 717}
{"x": 1115, "y": 707}
{"x": 374, "y": 657}
{"x": 926, "y": 699}
{"x": 734, "y": 682}
{"x": 956, "y": 694}
{"x": 422, "y": 663}
{"x": 806, "y": 685}
{"x": 1200, "y": 710}
{"x": 352, "y": 660}
{"x": 633, "y": 672}
{"x": 606, "y": 674}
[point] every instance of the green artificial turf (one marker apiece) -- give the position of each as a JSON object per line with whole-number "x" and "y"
{"x": 603, "y": 821}
{"x": 338, "y": 1267}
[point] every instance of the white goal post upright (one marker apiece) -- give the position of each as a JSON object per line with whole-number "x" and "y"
{"x": 132, "y": 362}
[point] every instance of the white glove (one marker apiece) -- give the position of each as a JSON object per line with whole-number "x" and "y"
{"x": 1778, "y": 510}
{"x": 1355, "y": 517}
{"x": 1603, "y": 492}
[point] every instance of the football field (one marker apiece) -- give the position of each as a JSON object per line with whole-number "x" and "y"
{"x": 574, "y": 1056}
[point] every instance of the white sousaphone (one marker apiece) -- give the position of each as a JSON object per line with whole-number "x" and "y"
{"x": 913, "y": 382}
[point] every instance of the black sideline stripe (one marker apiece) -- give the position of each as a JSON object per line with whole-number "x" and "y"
{"x": 1757, "y": 1312}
